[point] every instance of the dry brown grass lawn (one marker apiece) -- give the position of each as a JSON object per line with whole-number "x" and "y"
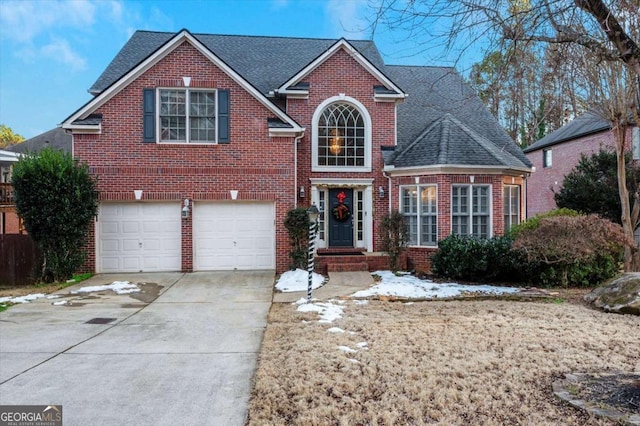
{"x": 484, "y": 362}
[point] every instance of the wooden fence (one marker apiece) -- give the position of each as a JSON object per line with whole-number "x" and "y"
{"x": 18, "y": 257}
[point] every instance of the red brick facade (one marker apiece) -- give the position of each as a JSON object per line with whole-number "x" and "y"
{"x": 259, "y": 166}
{"x": 565, "y": 156}
{"x": 419, "y": 258}
{"x": 341, "y": 74}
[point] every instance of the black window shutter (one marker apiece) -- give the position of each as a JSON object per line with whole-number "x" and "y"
{"x": 148, "y": 115}
{"x": 223, "y": 116}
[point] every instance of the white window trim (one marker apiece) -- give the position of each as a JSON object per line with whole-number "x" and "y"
{"x": 367, "y": 188}
{"x": 490, "y": 207}
{"x": 418, "y": 212}
{"x": 547, "y": 164}
{"x": 367, "y": 136}
{"x": 504, "y": 201}
{"x": 188, "y": 91}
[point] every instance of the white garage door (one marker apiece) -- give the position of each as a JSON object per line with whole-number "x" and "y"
{"x": 233, "y": 236}
{"x": 135, "y": 237}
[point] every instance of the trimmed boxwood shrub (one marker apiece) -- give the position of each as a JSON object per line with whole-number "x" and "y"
{"x": 476, "y": 259}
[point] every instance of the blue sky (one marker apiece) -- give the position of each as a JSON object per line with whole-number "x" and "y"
{"x": 51, "y": 51}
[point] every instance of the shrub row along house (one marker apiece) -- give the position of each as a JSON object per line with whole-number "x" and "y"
{"x": 202, "y": 143}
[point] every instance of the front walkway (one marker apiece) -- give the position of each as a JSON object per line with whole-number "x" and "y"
{"x": 340, "y": 284}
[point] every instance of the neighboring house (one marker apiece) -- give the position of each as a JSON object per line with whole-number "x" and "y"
{"x": 202, "y": 143}
{"x": 9, "y": 221}
{"x": 555, "y": 155}
{"x": 57, "y": 138}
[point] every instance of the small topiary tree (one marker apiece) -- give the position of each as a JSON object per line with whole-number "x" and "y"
{"x": 297, "y": 224}
{"x": 395, "y": 236}
{"x": 572, "y": 250}
{"x": 56, "y": 197}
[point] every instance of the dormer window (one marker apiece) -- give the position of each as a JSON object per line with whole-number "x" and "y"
{"x": 341, "y": 136}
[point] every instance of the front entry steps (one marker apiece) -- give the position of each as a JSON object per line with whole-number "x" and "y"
{"x": 347, "y": 267}
{"x": 349, "y": 260}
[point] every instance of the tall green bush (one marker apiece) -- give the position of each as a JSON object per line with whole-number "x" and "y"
{"x": 592, "y": 185}
{"x": 297, "y": 224}
{"x": 56, "y": 197}
{"x": 395, "y": 235}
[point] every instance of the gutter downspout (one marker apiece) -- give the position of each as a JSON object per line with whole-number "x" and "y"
{"x": 296, "y": 140}
{"x": 388, "y": 189}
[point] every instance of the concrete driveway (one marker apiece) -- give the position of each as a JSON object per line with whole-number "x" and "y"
{"x": 182, "y": 351}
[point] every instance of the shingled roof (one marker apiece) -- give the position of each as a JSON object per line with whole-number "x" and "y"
{"x": 447, "y": 141}
{"x": 265, "y": 62}
{"x": 584, "y": 125}
{"x": 437, "y": 95}
{"x": 55, "y": 138}
{"x": 441, "y": 105}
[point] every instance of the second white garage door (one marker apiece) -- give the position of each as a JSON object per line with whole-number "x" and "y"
{"x": 233, "y": 235}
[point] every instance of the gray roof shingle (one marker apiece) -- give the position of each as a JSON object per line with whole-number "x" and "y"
{"x": 435, "y": 93}
{"x": 584, "y": 125}
{"x": 447, "y": 141}
{"x": 268, "y": 62}
{"x": 265, "y": 62}
{"x": 55, "y": 138}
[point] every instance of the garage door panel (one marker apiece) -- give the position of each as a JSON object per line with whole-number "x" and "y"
{"x": 139, "y": 237}
{"x": 109, "y": 246}
{"x": 109, "y": 228}
{"x": 263, "y": 244}
{"x": 234, "y": 235}
{"x": 130, "y": 264}
{"x": 130, "y": 227}
{"x": 130, "y": 245}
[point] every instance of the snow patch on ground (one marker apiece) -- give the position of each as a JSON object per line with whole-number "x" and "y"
{"x": 410, "y": 287}
{"x": 347, "y": 349}
{"x": 118, "y": 287}
{"x": 329, "y": 312}
{"x": 21, "y": 299}
{"x": 298, "y": 280}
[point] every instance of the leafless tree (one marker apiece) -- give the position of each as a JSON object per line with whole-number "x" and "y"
{"x": 602, "y": 36}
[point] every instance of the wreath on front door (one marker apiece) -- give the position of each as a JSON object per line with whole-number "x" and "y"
{"x": 341, "y": 213}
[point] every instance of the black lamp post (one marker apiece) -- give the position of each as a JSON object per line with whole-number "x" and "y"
{"x": 313, "y": 214}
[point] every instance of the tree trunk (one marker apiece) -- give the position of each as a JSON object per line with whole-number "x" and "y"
{"x": 620, "y": 134}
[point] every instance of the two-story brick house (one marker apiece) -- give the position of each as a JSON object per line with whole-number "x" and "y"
{"x": 559, "y": 152}
{"x": 202, "y": 143}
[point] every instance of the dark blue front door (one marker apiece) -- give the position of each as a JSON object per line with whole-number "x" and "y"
{"x": 340, "y": 217}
